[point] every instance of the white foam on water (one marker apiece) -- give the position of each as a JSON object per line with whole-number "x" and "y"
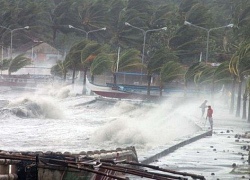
{"x": 147, "y": 126}
{"x": 35, "y": 107}
{"x": 74, "y": 125}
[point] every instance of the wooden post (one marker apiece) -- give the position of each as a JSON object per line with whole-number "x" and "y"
{"x": 4, "y": 166}
{"x": 13, "y": 169}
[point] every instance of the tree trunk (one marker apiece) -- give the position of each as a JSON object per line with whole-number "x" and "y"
{"x": 239, "y": 100}
{"x": 64, "y": 76}
{"x": 248, "y": 118}
{"x": 244, "y": 114}
{"x": 73, "y": 76}
{"x": 84, "y": 76}
{"x": 149, "y": 83}
{"x": 232, "y": 96}
{"x": 114, "y": 76}
{"x": 92, "y": 78}
{"x": 161, "y": 87}
{"x": 84, "y": 90}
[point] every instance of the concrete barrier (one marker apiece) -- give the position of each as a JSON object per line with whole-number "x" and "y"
{"x": 175, "y": 147}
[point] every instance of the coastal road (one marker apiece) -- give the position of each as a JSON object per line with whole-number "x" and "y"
{"x": 224, "y": 155}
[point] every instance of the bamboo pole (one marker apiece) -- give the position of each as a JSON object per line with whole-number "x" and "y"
{"x": 156, "y": 168}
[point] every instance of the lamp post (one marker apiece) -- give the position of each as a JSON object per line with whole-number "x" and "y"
{"x": 87, "y": 32}
{"x": 11, "y": 35}
{"x": 208, "y": 33}
{"x": 144, "y": 35}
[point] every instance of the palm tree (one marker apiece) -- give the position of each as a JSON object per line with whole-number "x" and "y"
{"x": 158, "y": 58}
{"x": 204, "y": 79}
{"x": 18, "y": 62}
{"x": 99, "y": 65}
{"x": 89, "y": 15}
{"x": 222, "y": 76}
{"x": 232, "y": 69}
{"x": 187, "y": 41}
{"x": 170, "y": 71}
{"x": 127, "y": 61}
{"x": 192, "y": 73}
{"x": 240, "y": 65}
{"x": 60, "y": 69}
{"x": 245, "y": 95}
{"x": 248, "y": 91}
{"x": 5, "y": 64}
{"x": 74, "y": 57}
{"x": 88, "y": 54}
{"x": 116, "y": 34}
{"x": 15, "y": 14}
{"x": 81, "y": 56}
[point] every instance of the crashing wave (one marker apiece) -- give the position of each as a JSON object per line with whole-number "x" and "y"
{"x": 34, "y": 108}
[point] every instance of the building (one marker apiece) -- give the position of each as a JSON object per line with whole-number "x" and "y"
{"x": 43, "y": 56}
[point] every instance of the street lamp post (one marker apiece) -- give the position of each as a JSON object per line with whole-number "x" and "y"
{"x": 11, "y": 35}
{"x": 87, "y": 32}
{"x": 144, "y": 35}
{"x": 208, "y": 33}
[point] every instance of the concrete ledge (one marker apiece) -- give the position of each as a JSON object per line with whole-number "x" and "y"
{"x": 175, "y": 147}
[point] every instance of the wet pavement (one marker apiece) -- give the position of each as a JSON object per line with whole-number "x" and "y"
{"x": 224, "y": 155}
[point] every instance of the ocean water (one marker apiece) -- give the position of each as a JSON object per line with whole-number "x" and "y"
{"x": 60, "y": 119}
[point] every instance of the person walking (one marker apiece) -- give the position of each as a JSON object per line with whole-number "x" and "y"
{"x": 210, "y": 116}
{"x": 203, "y": 108}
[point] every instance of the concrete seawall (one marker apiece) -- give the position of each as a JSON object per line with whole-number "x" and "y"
{"x": 174, "y": 147}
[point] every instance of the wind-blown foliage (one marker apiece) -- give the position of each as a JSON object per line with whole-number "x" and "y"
{"x": 128, "y": 60}
{"x": 248, "y": 93}
{"x": 171, "y": 71}
{"x": 5, "y": 64}
{"x": 60, "y": 69}
{"x": 100, "y": 64}
{"x": 240, "y": 67}
{"x": 18, "y": 62}
{"x": 222, "y": 74}
{"x": 194, "y": 72}
{"x": 204, "y": 77}
{"x": 49, "y": 21}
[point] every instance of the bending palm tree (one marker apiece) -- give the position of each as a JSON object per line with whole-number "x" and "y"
{"x": 240, "y": 66}
{"x": 17, "y": 63}
{"x": 128, "y": 60}
{"x": 169, "y": 72}
{"x": 60, "y": 69}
